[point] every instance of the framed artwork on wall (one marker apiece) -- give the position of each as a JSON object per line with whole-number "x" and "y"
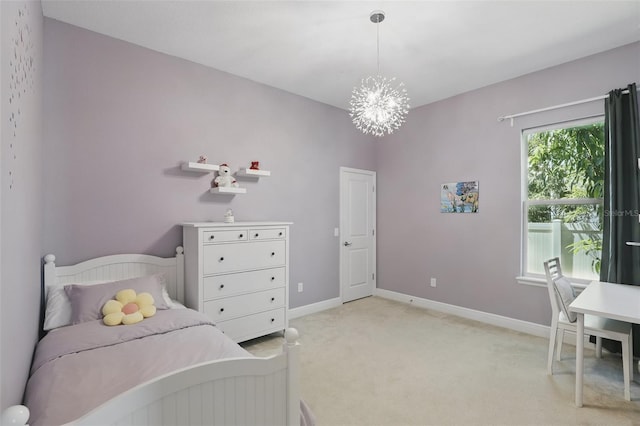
{"x": 459, "y": 197}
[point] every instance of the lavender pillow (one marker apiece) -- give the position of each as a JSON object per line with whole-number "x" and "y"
{"x": 87, "y": 301}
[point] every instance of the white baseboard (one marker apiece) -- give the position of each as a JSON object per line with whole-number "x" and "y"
{"x": 485, "y": 317}
{"x": 314, "y": 308}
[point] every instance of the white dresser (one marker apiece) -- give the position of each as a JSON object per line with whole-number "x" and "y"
{"x": 238, "y": 274}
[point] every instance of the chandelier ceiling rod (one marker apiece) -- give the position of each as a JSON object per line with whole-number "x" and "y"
{"x": 376, "y": 17}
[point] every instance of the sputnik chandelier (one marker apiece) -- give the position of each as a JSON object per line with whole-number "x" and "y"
{"x": 376, "y": 107}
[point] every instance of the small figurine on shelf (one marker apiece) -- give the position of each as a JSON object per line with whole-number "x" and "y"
{"x": 202, "y": 159}
{"x": 255, "y": 165}
{"x": 224, "y": 178}
{"x": 228, "y": 216}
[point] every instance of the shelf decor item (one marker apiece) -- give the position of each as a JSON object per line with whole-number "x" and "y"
{"x": 255, "y": 165}
{"x": 459, "y": 197}
{"x": 228, "y": 216}
{"x": 252, "y": 173}
{"x": 202, "y": 159}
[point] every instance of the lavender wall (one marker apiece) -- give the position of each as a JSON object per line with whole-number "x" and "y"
{"x": 21, "y": 192}
{"x": 476, "y": 257}
{"x": 119, "y": 120}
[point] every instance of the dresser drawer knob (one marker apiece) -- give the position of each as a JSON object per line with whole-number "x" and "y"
{"x": 273, "y": 253}
{"x": 273, "y": 278}
{"x": 256, "y": 235}
{"x": 273, "y": 320}
{"x": 221, "y": 286}
{"x": 280, "y": 234}
{"x": 221, "y": 259}
{"x": 221, "y": 309}
{"x": 211, "y": 237}
{"x": 241, "y": 235}
{"x": 273, "y": 299}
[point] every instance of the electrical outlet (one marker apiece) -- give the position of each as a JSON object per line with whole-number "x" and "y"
{"x": 300, "y": 287}
{"x": 433, "y": 282}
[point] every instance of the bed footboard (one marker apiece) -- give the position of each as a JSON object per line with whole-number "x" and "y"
{"x": 247, "y": 391}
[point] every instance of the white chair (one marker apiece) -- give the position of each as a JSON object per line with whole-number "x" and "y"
{"x": 561, "y": 294}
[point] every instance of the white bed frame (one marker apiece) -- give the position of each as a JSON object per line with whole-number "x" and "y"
{"x": 247, "y": 391}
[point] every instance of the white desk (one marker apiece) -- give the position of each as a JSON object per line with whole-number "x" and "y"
{"x": 616, "y": 301}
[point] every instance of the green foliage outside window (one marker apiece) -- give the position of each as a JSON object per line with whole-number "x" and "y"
{"x": 568, "y": 164}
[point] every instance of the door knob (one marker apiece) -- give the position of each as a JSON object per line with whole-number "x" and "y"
{"x": 347, "y": 243}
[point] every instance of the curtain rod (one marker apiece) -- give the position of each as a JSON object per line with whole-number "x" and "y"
{"x": 535, "y": 111}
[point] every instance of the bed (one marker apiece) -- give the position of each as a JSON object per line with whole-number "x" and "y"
{"x": 173, "y": 368}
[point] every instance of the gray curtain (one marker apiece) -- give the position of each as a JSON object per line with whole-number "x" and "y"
{"x": 620, "y": 262}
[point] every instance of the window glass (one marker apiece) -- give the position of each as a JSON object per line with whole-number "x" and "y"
{"x": 562, "y": 198}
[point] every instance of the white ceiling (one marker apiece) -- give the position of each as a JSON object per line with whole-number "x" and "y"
{"x": 322, "y": 49}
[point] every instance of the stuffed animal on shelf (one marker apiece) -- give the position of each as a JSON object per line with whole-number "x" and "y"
{"x": 128, "y": 308}
{"x": 224, "y": 178}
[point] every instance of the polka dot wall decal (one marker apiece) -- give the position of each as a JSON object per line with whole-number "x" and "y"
{"x": 21, "y": 81}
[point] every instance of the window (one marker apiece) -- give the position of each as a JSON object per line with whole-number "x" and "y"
{"x": 563, "y": 183}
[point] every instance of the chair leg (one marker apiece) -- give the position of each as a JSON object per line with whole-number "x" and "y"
{"x": 631, "y": 355}
{"x": 553, "y": 331}
{"x": 559, "y": 342}
{"x": 598, "y": 347}
{"x": 626, "y": 367}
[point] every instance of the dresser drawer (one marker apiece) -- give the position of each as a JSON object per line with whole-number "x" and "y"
{"x": 216, "y": 286}
{"x": 220, "y": 258}
{"x": 245, "y": 328}
{"x": 267, "y": 234}
{"x": 225, "y": 236}
{"x": 237, "y": 306}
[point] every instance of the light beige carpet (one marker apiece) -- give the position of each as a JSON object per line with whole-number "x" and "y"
{"x": 379, "y": 362}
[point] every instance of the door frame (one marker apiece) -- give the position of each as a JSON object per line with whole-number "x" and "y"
{"x": 342, "y": 218}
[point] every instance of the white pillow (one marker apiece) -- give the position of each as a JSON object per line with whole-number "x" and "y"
{"x": 172, "y": 304}
{"x": 58, "y": 310}
{"x": 566, "y": 295}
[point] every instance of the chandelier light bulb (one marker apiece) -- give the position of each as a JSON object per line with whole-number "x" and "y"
{"x": 376, "y": 106}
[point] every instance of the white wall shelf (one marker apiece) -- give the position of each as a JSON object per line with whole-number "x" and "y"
{"x": 192, "y": 166}
{"x": 227, "y": 190}
{"x": 244, "y": 172}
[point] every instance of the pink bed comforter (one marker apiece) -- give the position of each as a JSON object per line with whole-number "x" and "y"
{"x": 79, "y": 367}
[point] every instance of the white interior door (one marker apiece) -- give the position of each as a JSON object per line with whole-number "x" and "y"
{"x": 357, "y": 233}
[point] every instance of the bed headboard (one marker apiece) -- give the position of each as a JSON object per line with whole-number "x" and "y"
{"x": 118, "y": 267}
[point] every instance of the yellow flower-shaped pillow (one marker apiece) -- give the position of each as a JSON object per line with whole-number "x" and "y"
{"x": 128, "y": 308}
